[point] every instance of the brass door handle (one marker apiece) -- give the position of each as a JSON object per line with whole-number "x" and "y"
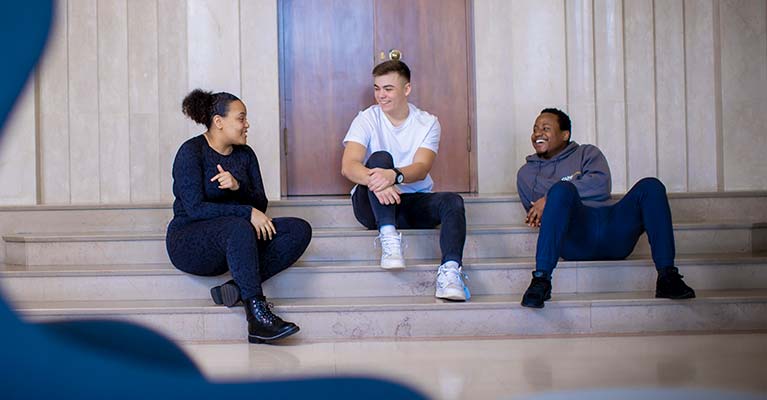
{"x": 395, "y": 54}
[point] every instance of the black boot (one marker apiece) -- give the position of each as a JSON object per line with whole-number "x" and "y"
{"x": 671, "y": 286}
{"x": 538, "y": 292}
{"x": 227, "y": 294}
{"x": 263, "y": 326}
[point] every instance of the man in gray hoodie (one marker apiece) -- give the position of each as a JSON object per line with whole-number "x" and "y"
{"x": 570, "y": 184}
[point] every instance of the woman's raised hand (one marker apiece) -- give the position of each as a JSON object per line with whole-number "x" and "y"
{"x": 263, "y": 224}
{"x": 225, "y": 179}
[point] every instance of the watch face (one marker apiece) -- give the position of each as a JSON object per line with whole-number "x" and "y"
{"x": 400, "y": 178}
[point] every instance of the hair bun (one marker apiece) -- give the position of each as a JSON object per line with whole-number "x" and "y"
{"x": 197, "y": 105}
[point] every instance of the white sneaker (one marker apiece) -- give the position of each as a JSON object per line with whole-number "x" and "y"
{"x": 391, "y": 251}
{"x": 450, "y": 284}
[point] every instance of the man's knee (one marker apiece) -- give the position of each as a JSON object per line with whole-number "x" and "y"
{"x": 652, "y": 185}
{"x": 564, "y": 191}
{"x": 380, "y": 159}
{"x": 452, "y": 202}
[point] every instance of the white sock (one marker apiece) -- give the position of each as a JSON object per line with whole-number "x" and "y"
{"x": 388, "y": 230}
{"x": 451, "y": 264}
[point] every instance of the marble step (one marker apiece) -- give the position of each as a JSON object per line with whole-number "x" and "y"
{"x": 333, "y": 211}
{"x": 483, "y": 241}
{"x": 426, "y": 317}
{"x": 366, "y": 279}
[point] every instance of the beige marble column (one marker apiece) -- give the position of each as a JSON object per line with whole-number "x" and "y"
{"x": 260, "y": 87}
{"x": 639, "y": 50}
{"x": 53, "y": 75}
{"x": 114, "y": 133}
{"x": 173, "y": 85}
{"x": 18, "y": 171}
{"x": 83, "y": 102}
{"x": 581, "y": 101}
{"x": 610, "y": 90}
{"x": 744, "y": 93}
{"x": 670, "y": 94}
{"x": 493, "y": 64}
{"x": 702, "y": 52}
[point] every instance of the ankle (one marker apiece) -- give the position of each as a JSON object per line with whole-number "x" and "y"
{"x": 667, "y": 271}
{"x": 388, "y": 230}
{"x": 542, "y": 275}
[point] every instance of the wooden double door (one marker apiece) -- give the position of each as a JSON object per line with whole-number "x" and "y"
{"x": 327, "y": 51}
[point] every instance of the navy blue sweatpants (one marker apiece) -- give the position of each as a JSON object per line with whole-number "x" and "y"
{"x": 576, "y": 232}
{"x": 214, "y": 246}
{"x": 415, "y": 211}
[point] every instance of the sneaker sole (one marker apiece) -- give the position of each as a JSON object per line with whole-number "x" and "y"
{"x": 227, "y": 295}
{"x": 453, "y": 295}
{"x": 535, "y": 305}
{"x": 688, "y": 295}
{"x": 266, "y": 340}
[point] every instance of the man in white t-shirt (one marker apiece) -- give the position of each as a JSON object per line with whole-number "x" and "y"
{"x": 389, "y": 151}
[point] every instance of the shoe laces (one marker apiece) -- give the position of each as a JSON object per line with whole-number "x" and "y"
{"x": 539, "y": 283}
{"x": 450, "y": 276}
{"x": 391, "y": 245}
{"x": 266, "y": 311}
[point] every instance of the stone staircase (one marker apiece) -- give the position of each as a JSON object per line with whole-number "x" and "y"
{"x": 65, "y": 262}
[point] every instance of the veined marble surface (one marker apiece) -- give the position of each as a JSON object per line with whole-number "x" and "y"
{"x": 509, "y": 367}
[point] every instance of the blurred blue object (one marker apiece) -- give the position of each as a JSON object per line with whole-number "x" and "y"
{"x": 108, "y": 359}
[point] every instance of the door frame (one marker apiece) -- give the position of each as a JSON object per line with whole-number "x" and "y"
{"x": 471, "y": 83}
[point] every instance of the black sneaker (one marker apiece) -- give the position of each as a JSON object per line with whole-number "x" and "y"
{"x": 538, "y": 292}
{"x": 227, "y": 294}
{"x": 671, "y": 286}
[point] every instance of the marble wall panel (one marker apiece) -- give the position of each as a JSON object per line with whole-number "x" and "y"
{"x": 144, "y": 141}
{"x": 640, "y": 89}
{"x": 173, "y": 85}
{"x": 18, "y": 169}
{"x": 213, "y": 35}
{"x": 539, "y": 73}
{"x": 83, "y": 101}
{"x": 53, "y": 112}
{"x": 260, "y": 87}
{"x": 114, "y": 156}
{"x": 670, "y": 94}
{"x": 702, "y": 54}
{"x": 494, "y": 69}
{"x": 610, "y": 89}
{"x": 744, "y": 93}
{"x": 581, "y": 100}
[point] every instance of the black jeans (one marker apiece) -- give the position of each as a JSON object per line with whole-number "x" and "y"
{"x": 415, "y": 211}
{"x": 212, "y": 247}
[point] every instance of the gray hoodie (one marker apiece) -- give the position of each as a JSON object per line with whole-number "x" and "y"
{"x": 583, "y": 165}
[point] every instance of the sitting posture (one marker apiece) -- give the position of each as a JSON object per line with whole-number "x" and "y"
{"x": 218, "y": 215}
{"x": 565, "y": 188}
{"x": 390, "y": 149}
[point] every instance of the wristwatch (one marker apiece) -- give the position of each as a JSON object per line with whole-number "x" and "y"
{"x": 399, "y": 178}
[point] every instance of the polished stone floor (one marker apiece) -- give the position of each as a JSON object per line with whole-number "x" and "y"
{"x": 509, "y": 367}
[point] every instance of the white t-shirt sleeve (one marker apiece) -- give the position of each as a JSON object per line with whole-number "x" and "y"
{"x": 431, "y": 141}
{"x": 360, "y": 131}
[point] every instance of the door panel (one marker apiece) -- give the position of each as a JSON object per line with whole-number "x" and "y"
{"x": 326, "y": 80}
{"x": 329, "y": 48}
{"x": 432, "y": 36}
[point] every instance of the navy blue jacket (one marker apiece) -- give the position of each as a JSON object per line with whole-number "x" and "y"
{"x": 197, "y": 198}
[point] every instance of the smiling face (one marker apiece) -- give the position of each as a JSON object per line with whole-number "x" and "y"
{"x": 391, "y": 91}
{"x": 548, "y": 140}
{"x": 234, "y": 126}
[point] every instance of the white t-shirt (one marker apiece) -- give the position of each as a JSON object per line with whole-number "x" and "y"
{"x": 372, "y": 129}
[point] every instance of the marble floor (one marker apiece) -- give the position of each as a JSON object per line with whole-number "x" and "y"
{"x": 508, "y": 367}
